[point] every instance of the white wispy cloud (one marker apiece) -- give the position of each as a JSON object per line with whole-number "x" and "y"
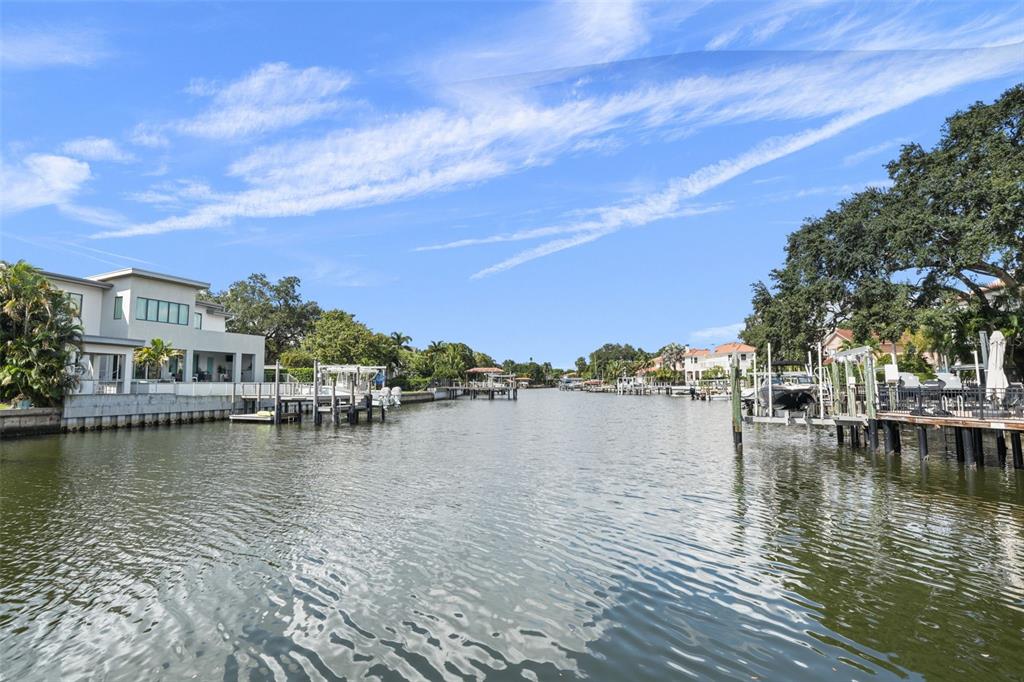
{"x": 874, "y": 150}
{"x": 41, "y": 47}
{"x": 148, "y": 135}
{"x": 41, "y": 180}
{"x": 97, "y": 149}
{"x": 918, "y": 79}
{"x": 723, "y": 333}
{"x": 442, "y": 149}
{"x": 548, "y": 37}
{"x": 271, "y": 97}
{"x": 94, "y": 215}
{"x": 823, "y": 24}
{"x": 535, "y": 233}
{"x": 77, "y": 249}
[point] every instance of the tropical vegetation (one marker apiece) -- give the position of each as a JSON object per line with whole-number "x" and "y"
{"x": 40, "y": 337}
{"x": 299, "y": 331}
{"x": 156, "y": 355}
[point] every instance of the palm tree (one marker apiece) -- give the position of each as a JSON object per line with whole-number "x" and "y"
{"x": 39, "y": 335}
{"x": 156, "y": 354}
{"x": 436, "y": 347}
{"x": 672, "y": 356}
{"x": 401, "y": 340}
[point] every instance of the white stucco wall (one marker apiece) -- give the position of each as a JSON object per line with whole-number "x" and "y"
{"x": 92, "y": 303}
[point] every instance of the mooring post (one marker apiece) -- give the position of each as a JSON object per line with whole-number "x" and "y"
{"x": 855, "y": 435}
{"x": 887, "y": 435}
{"x": 277, "y": 392}
{"x": 922, "y": 440}
{"x": 737, "y": 405}
{"x": 869, "y": 397}
{"x": 836, "y": 401}
{"x": 897, "y": 443}
{"x": 369, "y": 408}
{"x": 316, "y": 392}
{"x": 979, "y": 448}
{"x": 839, "y": 433}
{"x": 958, "y": 443}
{"x": 1018, "y": 457}
{"x": 1001, "y": 448}
{"x": 352, "y": 414}
{"x": 851, "y": 387}
{"x": 334, "y": 399}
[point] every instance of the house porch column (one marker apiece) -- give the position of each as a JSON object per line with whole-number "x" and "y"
{"x": 128, "y": 371}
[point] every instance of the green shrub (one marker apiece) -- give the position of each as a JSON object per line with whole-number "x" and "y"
{"x": 303, "y": 374}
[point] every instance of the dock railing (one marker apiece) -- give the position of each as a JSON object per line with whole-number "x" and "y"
{"x": 973, "y": 402}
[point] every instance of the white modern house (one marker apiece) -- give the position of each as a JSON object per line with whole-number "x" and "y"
{"x": 123, "y": 310}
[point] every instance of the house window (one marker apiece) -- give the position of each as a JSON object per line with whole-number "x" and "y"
{"x": 152, "y": 310}
{"x": 118, "y": 307}
{"x": 198, "y": 321}
{"x": 76, "y": 302}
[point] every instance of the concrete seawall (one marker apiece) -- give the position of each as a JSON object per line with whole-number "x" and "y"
{"x": 126, "y": 410}
{"x": 85, "y": 412}
{"x": 31, "y": 422}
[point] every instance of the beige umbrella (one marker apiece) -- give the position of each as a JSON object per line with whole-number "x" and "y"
{"x": 995, "y": 378}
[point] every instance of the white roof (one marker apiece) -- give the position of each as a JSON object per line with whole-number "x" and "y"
{"x": 149, "y": 274}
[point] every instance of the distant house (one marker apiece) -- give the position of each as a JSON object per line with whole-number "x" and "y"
{"x": 841, "y": 338}
{"x": 692, "y": 362}
{"x": 658, "y": 363}
{"x": 835, "y": 341}
{"x": 722, "y": 356}
{"x": 123, "y": 310}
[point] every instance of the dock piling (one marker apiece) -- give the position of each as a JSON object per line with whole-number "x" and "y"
{"x": 979, "y": 449}
{"x": 922, "y": 441}
{"x": 277, "y": 392}
{"x": 958, "y": 440}
{"x": 737, "y": 405}
{"x": 317, "y": 418}
{"x": 1001, "y": 448}
{"x": 1018, "y": 457}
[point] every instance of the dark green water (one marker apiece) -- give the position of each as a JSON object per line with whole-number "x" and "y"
{"x": 562, "y": 536}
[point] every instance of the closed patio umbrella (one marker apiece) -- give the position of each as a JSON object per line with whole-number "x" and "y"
{"x": 995, "y": 378}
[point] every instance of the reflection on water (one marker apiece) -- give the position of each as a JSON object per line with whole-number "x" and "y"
{"x": 561, "y": 536}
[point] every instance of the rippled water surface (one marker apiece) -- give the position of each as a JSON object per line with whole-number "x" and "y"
{"x": 562, "y": 536}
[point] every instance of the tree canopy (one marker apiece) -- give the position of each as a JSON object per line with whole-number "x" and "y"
{"x": 916, "y": 256}
{"x": 275, "y": 310}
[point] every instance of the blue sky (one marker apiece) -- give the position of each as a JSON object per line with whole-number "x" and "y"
{"x": 531, "y": 179}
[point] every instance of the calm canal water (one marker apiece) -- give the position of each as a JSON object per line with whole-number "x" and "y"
{"x": 562, "y": 536}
